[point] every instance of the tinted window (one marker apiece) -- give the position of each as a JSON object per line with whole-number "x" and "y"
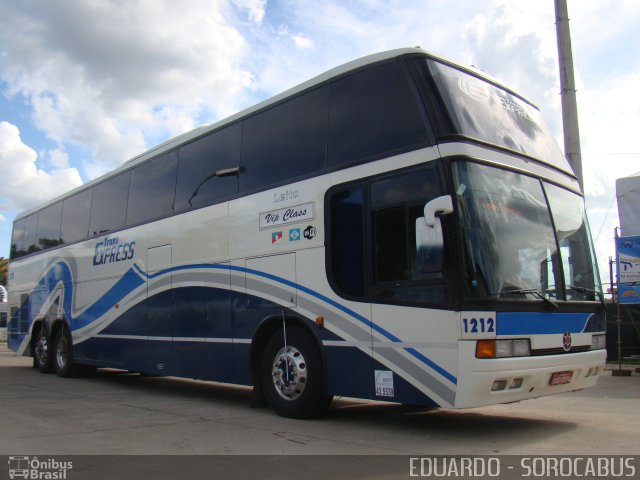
{"x": 489, "y": 113}
{"x": 347, "y": 240}
{"x": 30, "y": 236}
{"x": 17, "y": 239}
{"x": 286, "y": 141}
{"x": 75, "y": 217}
{"x": 372, "y": 239}
{"x": 152, "y": 189}
{"x": 396, "y": 203}
{"x": 109, "y": 205}
{"x": 197, "y": 183}
{"x": 373, "y": 112}
{"x": 49, "y": 226}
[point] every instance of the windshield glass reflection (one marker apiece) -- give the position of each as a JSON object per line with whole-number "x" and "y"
{"x": 510, "y": 247}
{"x": 482, "y": 110}
{"x": 576, "y": 250}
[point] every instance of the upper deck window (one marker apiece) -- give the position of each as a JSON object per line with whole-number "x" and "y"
{"x": 76, "y": 211}
{"x": 152, "y": 189}
{"x": 285, "y": 142}
{"x": 49, "y": 226}
{"x": 371, "y": 113}
{"x": 109, "y": 205}
{"x": 484, "y": 111}
{"x": 197, "y": 184}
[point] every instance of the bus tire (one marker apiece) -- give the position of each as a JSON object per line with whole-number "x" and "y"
{"x": 63, "y": 354}
{"x": 43, "y": 352}
{"x": 301, "y": 394}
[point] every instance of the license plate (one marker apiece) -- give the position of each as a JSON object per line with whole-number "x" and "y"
{"x": 561, "y": 378}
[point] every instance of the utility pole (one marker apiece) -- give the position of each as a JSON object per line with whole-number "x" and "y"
{"x": 568, "y": 92}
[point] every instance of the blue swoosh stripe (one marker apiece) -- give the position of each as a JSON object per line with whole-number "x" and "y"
{"x": 319, "y": 296}
{"x": 135, "y": 276}
{"x": 540, "y": 323}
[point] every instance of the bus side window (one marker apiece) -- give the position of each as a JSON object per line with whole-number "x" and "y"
{"x": 49, "y": 226}
{"x": 197, "y": 184}
{"x": 152, "y": 189}
{"x": 30, "y": 238}
{"x": 396, "y": 203}
{"x": 17, "y": 239}
{"x": 109, "y": 205}
{"x": 285, "y": 142}
{"x": 346, "y": 264}
{"x": 371, "y": 113}
{"x": 76, "y": 211}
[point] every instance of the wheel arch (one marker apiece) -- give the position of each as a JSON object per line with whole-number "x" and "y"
{"x": 267, "y": 328}
{"x": 52, "y": 327}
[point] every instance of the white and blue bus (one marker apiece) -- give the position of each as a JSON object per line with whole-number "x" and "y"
{"x": 400, "y": 228}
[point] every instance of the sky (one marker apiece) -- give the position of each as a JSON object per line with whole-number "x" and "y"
{"x": 87, "y": 84}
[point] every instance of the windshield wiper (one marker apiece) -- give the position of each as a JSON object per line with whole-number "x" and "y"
{"x": 533, "y": 291}
{"x": 587, "y": 290}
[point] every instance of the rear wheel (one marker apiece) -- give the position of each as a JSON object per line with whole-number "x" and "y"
{"x": 42, "y": 352}
{"x": 63, "y": 353}
{"x": 292, "y": 376}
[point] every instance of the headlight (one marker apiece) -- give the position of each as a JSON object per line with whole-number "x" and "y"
{"x": 518, "y": 347}
{"x": 598, "y": 342}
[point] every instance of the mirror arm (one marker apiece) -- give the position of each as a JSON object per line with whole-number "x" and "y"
{"x": 442, "y": 205}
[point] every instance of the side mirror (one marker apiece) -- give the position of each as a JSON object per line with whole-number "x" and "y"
{"x": 442, "y": 205}
{"x": 429, "y": 238}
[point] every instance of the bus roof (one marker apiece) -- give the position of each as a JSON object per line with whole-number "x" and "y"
{"x": 319, "y": 79}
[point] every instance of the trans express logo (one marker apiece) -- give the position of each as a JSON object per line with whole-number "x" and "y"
{"x": 110, "y": 250}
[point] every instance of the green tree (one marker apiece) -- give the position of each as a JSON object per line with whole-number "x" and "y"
{"x": 4, "y": 268}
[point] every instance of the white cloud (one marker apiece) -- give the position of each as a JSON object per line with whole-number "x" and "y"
{"x": 609, "y": 119}
{"x": 58, "y": 158}
{"x": 508, "y": 45}
{"x": 114, "y": 78}
{"x": 302, "y": 42}
{"x": 24, "y": 185}
{"x": 2, "y": 218}
{"x": 255, "y": 8}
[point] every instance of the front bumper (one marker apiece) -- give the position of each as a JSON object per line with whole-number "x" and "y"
{"x": 477, "y": 376}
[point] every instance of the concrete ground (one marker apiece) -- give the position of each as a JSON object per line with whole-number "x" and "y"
{"x": 115, "y": 413}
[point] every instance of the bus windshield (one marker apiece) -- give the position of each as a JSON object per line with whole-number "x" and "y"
{"x": 523, "y": 238}
{"x": 484, "y": 111}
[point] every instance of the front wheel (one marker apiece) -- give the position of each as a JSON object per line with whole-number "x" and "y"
{"x": 63, "y": 354}
{"x": 292, "y": 376}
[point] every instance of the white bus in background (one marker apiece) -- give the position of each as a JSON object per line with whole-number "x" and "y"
{"x": 399, "y": 228}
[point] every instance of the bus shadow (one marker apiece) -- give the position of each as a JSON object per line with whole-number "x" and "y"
{"x": 198, "y": 390}
{"x": 491, "y": 429}
{"x": 469, "y": 423}
{"x": 445, "y": 422}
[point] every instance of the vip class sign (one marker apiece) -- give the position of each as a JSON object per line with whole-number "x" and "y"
{"x": 285, "y": 216}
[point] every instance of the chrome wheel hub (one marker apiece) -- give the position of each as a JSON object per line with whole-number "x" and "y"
{"x": 62, "y": 352}
{"x": 289, "y": 373}
{"x": 41, "y": 349}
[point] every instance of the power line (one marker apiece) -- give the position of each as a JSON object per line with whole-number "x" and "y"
{"x": 605, "y": 218}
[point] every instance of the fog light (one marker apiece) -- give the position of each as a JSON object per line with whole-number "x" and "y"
{"x": 515, "y": 383}
{"x": 498, "y": 385}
